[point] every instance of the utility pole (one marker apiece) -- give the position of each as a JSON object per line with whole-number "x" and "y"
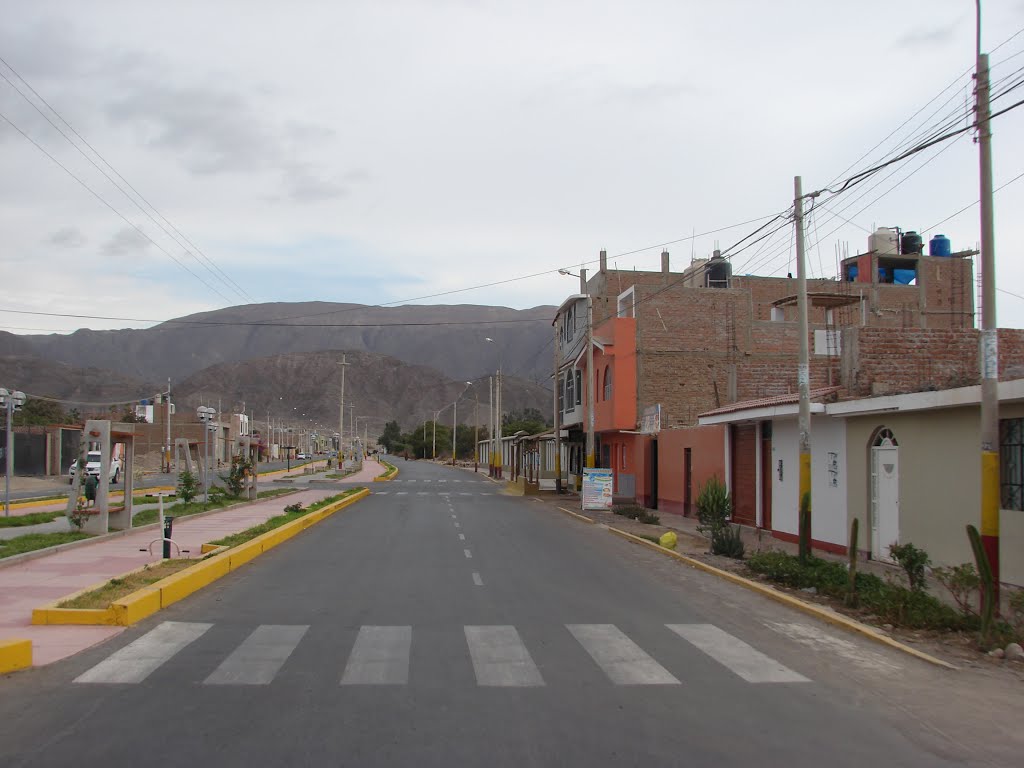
{"x": 455, "y": 426}
{"x": 803, "y": 378}
{"x": 490, "y": 426}
{"x": 591, "y": 376}
{"x": 352, "y": 422}
{"x": 558, "y": 390}
{"x": 989, "y": 352}
{"x": 168, "y": 452}
{"x": 476, "y": 430}
{"x": 341, "y": 410}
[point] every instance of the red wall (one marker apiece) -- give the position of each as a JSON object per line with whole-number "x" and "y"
{"x": 619, "y": 412}
{"x": 707, "y": 445}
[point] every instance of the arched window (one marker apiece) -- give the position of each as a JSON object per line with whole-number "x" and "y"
{"x": 607, "y": 382}
{"x": 885, "y": 438}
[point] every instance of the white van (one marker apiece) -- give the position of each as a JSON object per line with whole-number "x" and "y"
{"x": 92, "y": 467}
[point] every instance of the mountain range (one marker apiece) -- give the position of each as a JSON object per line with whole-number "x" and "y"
{"x": 405, "y": 362}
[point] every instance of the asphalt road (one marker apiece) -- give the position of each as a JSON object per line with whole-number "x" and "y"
{"x": 441, "y": 623}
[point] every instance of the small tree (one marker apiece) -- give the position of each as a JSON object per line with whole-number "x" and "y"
{"x": 188, "y": 486}
{"x": 241, "y": 467}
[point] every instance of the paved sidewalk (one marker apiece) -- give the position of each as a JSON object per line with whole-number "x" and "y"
{"x": 32, "y": 583}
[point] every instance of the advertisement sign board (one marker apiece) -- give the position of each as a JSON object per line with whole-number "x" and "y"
{"x": 597, "y": 489}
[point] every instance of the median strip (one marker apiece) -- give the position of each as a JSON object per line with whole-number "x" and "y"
{"x": 235, "y": 551}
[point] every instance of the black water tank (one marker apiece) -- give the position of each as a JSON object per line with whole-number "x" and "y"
{"x": 719, "y": 271}
{"x": 911, "y": 242}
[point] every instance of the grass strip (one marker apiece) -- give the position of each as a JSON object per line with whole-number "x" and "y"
{"x": 33, "y": 518}
{"x": 102, "y": 597}
{"x": 277, "y": 521}
{"x": 30, "y": 542}
{"x": 195, "y": 507}
{"x": 391, "y": 468}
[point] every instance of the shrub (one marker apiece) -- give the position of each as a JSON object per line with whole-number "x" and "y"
{"x": 728, "y": 542}
{"x": 714, "y": 507}
{"x": 241, "y": 468}
{"x": 1016, "y": 613}
{"x": 188, "y": 486}
{"x": 293, "y": 509}
{"x": 962, "y": 582}
{"x": 913, "y": 561}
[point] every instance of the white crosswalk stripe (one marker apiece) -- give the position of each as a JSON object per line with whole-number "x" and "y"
{"x": 257, "y": 660}
{"x": 379, "y": 657}
{"x": 734, "y": 654}
{"x": 500, "y": 659}
{"x": 137, "y": 660}
{"x": 625, "y": 662}
{"x": 381, "y": 493}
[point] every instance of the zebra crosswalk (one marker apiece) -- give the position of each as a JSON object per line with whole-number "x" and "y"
{"x": 383, "y": 656}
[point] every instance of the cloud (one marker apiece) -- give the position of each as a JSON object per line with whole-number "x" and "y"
{"x": 126, "y": 242}
{"x": 70, "y": 237}
{"x": 928, "y": 38}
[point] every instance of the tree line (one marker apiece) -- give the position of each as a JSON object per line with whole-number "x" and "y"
{"x": 434, "y": 439}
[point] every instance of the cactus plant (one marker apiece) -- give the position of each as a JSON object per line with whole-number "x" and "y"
{"x": 851, "y": 587}
{"x": 987, "y": 587}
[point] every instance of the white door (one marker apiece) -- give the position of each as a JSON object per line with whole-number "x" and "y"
{"x": 885, "y": 499}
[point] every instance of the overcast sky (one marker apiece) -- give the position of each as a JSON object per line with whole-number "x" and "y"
{"x": 388, "y": 150}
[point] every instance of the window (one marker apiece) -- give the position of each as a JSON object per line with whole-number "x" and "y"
{"x": 570, "y": 397}
{"x": 607, "y": 382}
{"x": 579, "y": 387}
{"x": 1011, "y": 463}
{"x": 626, "y": 305}
{"x": 562, "y": 391}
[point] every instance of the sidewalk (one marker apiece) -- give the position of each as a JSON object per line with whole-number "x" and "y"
{"x": 29, "y": 584}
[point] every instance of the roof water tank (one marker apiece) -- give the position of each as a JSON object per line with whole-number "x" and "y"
{"x": 940, "y": 246}
{"x": 911, "y": 243}
{"x": 884, "y": 242}
{"x": 718, "y": 272}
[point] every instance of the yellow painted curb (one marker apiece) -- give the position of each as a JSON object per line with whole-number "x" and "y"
{"x": 14, "y": 655}
{"x": 577, "y": 515}
{"x": 390, "y": 474}
{"x": 831, "y": 617}
{"x": 147, "y": 601}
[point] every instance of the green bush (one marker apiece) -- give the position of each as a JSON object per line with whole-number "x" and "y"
{"x": 188, "y": 486}
{"x": 913, "y": 561}
{"x": 962, "y": 582}
{"x": 714, "y": 511}
{"x": 891, "y": 603}
{"x": 728, "y": 542}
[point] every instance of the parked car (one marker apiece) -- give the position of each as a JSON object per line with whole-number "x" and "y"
{"x": 92, "y": 467}
{"x": 302, "y": 456}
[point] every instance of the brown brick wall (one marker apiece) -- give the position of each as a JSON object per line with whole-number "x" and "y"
{"x": 878, "y": 361}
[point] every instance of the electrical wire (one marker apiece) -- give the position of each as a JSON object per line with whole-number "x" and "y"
{"x": 215, "y": 271}
{"x": 99, "y": 197}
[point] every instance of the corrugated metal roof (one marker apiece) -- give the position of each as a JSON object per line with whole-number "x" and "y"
{"x": 766, "y": 402}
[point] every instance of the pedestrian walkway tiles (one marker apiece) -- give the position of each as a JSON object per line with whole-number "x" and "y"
{"x": 381, "y": 655}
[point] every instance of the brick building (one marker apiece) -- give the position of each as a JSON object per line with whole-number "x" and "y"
{"x": 678, "y": 344}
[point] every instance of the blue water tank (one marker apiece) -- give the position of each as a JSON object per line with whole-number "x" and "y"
{"x": 940, "y": 246}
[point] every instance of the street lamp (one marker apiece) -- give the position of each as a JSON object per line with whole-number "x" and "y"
{"x": 10, "y": 402}
{"x": 455, "y": 417}
{"x": 206, "y": 416}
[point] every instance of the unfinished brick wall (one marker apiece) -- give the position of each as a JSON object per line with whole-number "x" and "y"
{"x": 878, "y": 361}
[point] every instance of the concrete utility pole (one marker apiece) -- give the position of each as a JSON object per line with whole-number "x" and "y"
{"x": 989, "y": 352}
{"x": 169, "y": 447}
{"x": 591, "y": 376}
{"x": 490, "y": 426}
{"x": 558, "y": 390}
{"x": 803, "y": 378}
{"x": 341, "y": 409}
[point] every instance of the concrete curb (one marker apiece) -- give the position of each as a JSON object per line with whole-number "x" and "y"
{"x": 136, "y": 606}
{"x": 15, "y": 655}
{"x": 388, "y": 476}
{"x": 577, "y": 515}
{"x": 824, "y": 614}
{"x": 37, "y": 553}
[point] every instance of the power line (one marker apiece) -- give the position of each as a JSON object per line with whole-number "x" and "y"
{"x": 99, "y": 197}
{"x": 221, "y": 276}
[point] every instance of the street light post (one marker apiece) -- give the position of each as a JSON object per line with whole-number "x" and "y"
{"x": 455, "y": 418}
{"x": 496, "y": 433}
{"x": 10, "y": 402}
{"x": 206, "y": 418}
